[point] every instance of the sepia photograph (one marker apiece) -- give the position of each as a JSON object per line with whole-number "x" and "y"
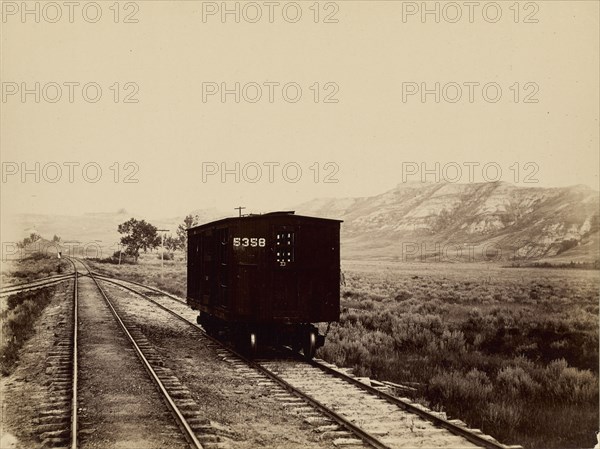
{"x": 309, "y": 224}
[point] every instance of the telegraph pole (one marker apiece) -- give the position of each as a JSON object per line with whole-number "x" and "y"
{"x": 239, "y": 209}
{"x": 162, "y": 251}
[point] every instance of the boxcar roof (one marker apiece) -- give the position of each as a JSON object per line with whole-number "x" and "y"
{"x": 265, "y": 216}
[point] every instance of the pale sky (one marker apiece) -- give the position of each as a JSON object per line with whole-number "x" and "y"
{"x": 370, "y": 57}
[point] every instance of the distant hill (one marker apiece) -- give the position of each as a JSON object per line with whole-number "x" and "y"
{"x": 453, "y": 222}
{"x": 94, "y": 232}
{"x": 414, "y": 221}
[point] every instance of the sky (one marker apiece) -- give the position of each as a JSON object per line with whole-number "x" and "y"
{"x": 150, "y": 105}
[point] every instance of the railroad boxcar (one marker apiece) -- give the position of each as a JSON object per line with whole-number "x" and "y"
{"x": 266, "y": 279}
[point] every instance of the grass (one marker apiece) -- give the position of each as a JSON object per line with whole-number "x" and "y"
{"x": 512, "y": 352}
{"x": 35, "y": 266}
{"x": 171, "y": 277}
{"x": 19, "y": 312}
{"x": 18, "y": 324}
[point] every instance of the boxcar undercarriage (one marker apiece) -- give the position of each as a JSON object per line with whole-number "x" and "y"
{"x": 248, "y": 337}
{"x": 265, "y": 280}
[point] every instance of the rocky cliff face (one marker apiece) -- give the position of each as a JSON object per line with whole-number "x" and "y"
{"x": 414, "y": 221}
{"x": 467, "y": 221}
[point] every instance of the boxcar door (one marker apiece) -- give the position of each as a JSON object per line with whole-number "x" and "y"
{"x": 194, "y": 275}
{"x": 208, "y": 278}
{"x": 222, "y": 267}
{"x": 285, "y": 299}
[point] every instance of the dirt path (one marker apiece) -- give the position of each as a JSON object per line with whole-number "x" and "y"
{"x": 119, "y": 405}
{"x": 247, "y": 409}
{"x": 24, "y": 393}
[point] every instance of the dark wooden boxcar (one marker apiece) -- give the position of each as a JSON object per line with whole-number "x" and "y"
{"x": 266, "y": 277}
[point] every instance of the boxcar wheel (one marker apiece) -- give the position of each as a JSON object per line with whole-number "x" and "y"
{"x": 209, "y": 324}
{"x": 310, "y": 345}
{"x": 253, "y": 345}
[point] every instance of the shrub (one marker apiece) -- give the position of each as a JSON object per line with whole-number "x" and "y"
{"x": 460, "y": 390}
{"x": 166, "y": 256}
{"x": 402, "y": 295}
{"x": 38, "y": 265}
{"x": 18, "y": 321}
{"x": 115, "y": 258}
{"x": 516, "y": 382}
{"x": 480, "y": 359}
{"x": 415, "y": 332}
{"x": 502, "y": 415}
{"x": 452, "y": 341}
{"x": 567, "y": 384}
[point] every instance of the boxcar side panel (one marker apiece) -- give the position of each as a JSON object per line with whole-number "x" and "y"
{"x": 267, "y": 269}
{"x": 246, "y": 244}
{"x": 319, "y": 258}
{"x": 282, "y": 302}
{"x": 193, "y": 270}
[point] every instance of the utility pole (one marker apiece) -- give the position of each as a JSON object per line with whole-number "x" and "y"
{"x": 120, "y": 248}
{"x": 239, "y": 209}
{"x": 162, "y": 251}
{"x": 99, "y": 255}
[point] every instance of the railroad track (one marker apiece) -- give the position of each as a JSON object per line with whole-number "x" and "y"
{"x": 33, "y": 285}
{"x": 352, "y": 412}
{"x": 153, "y": 290}
{"x": 57, "y": 417}
{"x": 186, "y": 414}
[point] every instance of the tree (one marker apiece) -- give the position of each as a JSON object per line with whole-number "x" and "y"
{"x": 140, "y": 235}
{"x": 188, "y": 222}
{"x": 171, "y": 243}
{"x": 33, "y": 237}
{"x": 56, "y": 239}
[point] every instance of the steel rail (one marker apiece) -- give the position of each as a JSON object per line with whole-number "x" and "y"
{"x": 74, "y": 386}
{"x": 154, "y": 289}
{"x": 184, "y": 425}
{"x": 480, "y": 440}
{"x": 363, "y": 435}
{"x": 429, "y": 416}
{"x": 34, "y": 281}
{"x": 38, "y": 283}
